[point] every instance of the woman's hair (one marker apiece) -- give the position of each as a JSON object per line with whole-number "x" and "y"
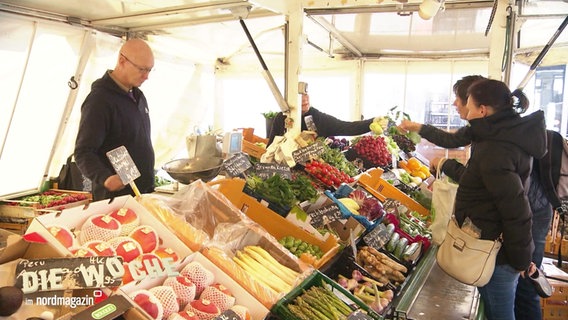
{"x": 461, "y": 86}
{"x": 496, "y": 94}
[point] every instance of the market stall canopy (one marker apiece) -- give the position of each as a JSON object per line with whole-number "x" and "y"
{"x": 209, "y": 31}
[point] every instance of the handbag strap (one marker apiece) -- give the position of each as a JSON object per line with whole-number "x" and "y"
{"x": 440, "y": 164}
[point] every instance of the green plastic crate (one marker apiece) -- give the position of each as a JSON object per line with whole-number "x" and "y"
{"x": 315, "y": 279}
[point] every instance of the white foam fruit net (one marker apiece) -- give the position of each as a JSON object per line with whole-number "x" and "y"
{"x": 127, "y": 227}
{"x": 168, "y": 298}
{"x": 100, "y": 247}
{"x": 222, "y": 300}
{"x": 242, "y": 311}
{"x": 184, "y": 292}
{"x": 126, "y": 247}
{"x": 199, "y": 275}
{"x": 202, "y": 314}
{"x": 91, "y": 231}
{"x": 158, "y": 312}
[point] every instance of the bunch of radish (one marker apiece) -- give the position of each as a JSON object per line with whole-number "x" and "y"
{"x": 373, "y": 149}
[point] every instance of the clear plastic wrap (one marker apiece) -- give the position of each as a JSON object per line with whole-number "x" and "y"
{"x": 204, "y": 219}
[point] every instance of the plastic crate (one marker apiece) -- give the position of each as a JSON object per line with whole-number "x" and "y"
{"x": 317, "y": 279}
{"x": 371, "y": 180}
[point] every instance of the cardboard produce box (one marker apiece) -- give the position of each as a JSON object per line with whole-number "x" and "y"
{"x": 242, "y": 297}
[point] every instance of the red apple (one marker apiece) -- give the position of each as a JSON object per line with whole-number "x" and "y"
{"x": 127, "y": 277}
{"x": 166, "y": 252}
{"x": 203, "y": 308}
{"x": 242, "y": 311}
{"x": 126, "y": 247}
{"x": 63, "y": 235}
{"x": 83, "y": 252}
{"x": 101, "y": 248}
{"x": 100, "y": 227}
{"x": 149, "y": 303}
{"x": 167, "y": 297}
{"x": 184, "y": 315}
{"x": 183, "y": 287}
{"x": 128, "y": 218}
{"x": 147, "y": 237}
{"x": 219, "y": 295}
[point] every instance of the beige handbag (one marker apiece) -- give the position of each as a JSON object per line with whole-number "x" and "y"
{"x": 466, "y": 258}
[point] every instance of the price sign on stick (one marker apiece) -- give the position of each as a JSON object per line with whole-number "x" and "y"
{"x": 237, "y": 164}
{"x": 124, "y": 167}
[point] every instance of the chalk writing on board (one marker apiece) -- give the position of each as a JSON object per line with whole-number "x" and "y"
{"x": 237, "y": 164}
{"x": 305, "y": 154}
{"x": 267, "y": 170}
{"x": 323, "y": 215}
{"x": 377, "y": 237}
{"x": 123, "y": 164}
{"x": 68, "y": 273}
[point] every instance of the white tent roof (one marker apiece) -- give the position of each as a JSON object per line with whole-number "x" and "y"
{"x": 210, "y": 30}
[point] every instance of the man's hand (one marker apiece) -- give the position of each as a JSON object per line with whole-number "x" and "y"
{"x": 113, "y": 183}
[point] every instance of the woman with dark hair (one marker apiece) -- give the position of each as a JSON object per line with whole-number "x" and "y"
{"x": 541, "y": 193}
{"x": 492, "y": 188}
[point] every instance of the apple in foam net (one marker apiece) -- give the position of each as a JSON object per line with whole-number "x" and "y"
{"x": 184, "y": 315}
{"x": 148, "y": 302}
{"x": 101, "y": 248}
{"x": 219, "y": 295}
{"x": 183, "y": 287}
{"x": 147, "y": 237}
{"x": 126, "y": 248}
{"x": 242, "y": 311}
{"x": 83, "y": 252}
{"x": 100, "y": 227}
{"x": 203, "y": 308}
{"x": 63, "y": 235}
{"x": 128, "y": 218}
{"x": 167, "y": 297}
{"x": 166, "y": 252}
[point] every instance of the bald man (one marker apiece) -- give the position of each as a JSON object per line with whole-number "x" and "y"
{"x": 114, "y": 114}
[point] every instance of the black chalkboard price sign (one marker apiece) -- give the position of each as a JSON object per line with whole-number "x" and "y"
{"x": 123, "y": 164}
{"x": 325, "y": 214}
{"x": 305, "y": 154}
{"x": 267, "y": 170}
{"x": 228, "y": 315}
{"x": 377, "y": 237}
{"x": 237, "y": 164}
{"x": 35, "y": 275}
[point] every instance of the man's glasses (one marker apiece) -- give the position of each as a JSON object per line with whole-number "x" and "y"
{"x": 142, "y": 70}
